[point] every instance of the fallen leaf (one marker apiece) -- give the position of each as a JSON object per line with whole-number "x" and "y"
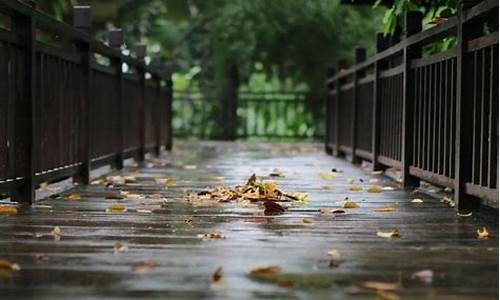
{"x": 42, "y": 206}
{"x": 356, "y": 188}
{"x": 375, "y": 189}
{"x": 214, "y": 235}
{"x": 189, "y": 220}
{"x": 217, "y": 275}
{"x": 190, "y": 167}
{"x": 56, "y": 233}
{"x": 119, "y": 247}
{"x": 349, "y": 204}
{"x": 116, "y": 207}
{"x": 460, "y": 214}
{"x": 389, "y": 234}
{"x": 7, "y": 265}
{"x": 417, "y": 200}
{"x": 338, "y": 211}
{"x": 424, "y": 275}
{"x": 327, "y": 176}
{"x": 326, "y": 187}
{"x": 129, "y": 179}
{"x": 483, "y": 233}
{"x": 265, "y": 271}
{"x": 273, "y": 208}
{"x": 144, "y": 267}
{"x": 307, "y": 220}
{"x": 448, "y": 201}
{"x": 73, "y": 197}
{"x": 144, "y": 211}
{"x": 169, "y": 182}
{"x": 350, "y": 180}
{"x": 155, "y": 196}
{"x": 380, "y": 286}
{"x": 385, "y": 209}
{"x": 334, "y": 254}
{"x": 8, "y": 210}
{"x": 377, "y": 172}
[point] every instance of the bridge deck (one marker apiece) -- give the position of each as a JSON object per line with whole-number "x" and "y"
{"x": 167, "y": 258}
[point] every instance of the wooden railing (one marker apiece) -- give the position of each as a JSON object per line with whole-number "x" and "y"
{"x": 64, "y": 112}
{"x": 433, "y": 117}
{"x": 278, "y": 115}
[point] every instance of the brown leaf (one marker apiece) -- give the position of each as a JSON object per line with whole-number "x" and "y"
{"x": 349, "y": 204}
{"x": 8, "y": 210}
{"x": 265, "y": 271}
{"x": 115, "y": 196}
{"x": 217, "y": 275}
{"x": 375, "y": 189}
{"x": 119, "y": 247}
{"x": 169, "y": 182}
{"x": 273, "y": 208}
{"x": 380, "y": 286}
{"x": 117, "y": 207}
{"x": 7, "y": 265}
{"x": 307, "y": 220}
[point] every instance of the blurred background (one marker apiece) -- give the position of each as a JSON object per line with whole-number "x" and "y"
{"x": 274, "y": 53}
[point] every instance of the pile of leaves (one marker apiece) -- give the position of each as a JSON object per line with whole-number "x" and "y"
{"x": 252, "y": 191}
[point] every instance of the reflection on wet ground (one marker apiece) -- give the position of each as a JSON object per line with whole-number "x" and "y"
{"x": 162, "y": 252}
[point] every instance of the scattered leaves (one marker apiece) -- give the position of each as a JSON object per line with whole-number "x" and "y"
{"x": 389, "y": 234}
{"x": 73, "y": 197}
{"x": 8, "y": 210}
{"x": 217, "y": 275}
{"x": 116, "y": 207}
{"x": 448, "y": 201}
{"x": 385, "y": 209}
{"x": 483, "y": 233}
{"x": 327, "y": 176}
{"x": 380, "y": 286}
{"x": 214, "y": 235}
{"x": 144, "y": 267}
{"x": 375, "y": 189}
{"x": 349, "y": 204}
{"x": 56, "y": 233}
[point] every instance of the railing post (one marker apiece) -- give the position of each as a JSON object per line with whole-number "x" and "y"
{"x": 25, "y": 27}
{"x": 464, "y": 120}
{"x": 140, "y": 53}
{"x": 330, "y": 72}
{"x": 157, "y": 124}
{"x": 413, "y": 25}
{"x": 169, "y": 116}
{"x": 382, "y": 44}
{"x": 116, "y": 41}
{"x": 342, "y": 66}
{"x": 359, "y": 56}
{"x": 82, "y": 20}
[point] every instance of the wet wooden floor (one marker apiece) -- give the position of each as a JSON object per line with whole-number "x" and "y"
{"x": 166, "y": 258}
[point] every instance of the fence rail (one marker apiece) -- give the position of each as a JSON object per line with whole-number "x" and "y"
{"x": 269, "y": 115}
{"x": 434, "y": 117}
{"x": 63, "y": 111}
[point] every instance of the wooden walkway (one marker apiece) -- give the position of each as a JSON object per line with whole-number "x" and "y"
{"x": 162, "y": 255}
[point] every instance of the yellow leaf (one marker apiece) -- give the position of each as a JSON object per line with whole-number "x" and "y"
{"x": 385, "y": 209}
{"x": 265, "y": 271}
{"x": 73, "y": 197}
{"x": 301, "y": 197}
{"x": 374, "y": 189}
{"x": 350, "y": 180}
{"x": 214, "y": 235}
{"x": 448, "y": 201}
{"x": 7, "y": 265}
{"x": 117, "y": 207}
{"x": 356, "y": 188}
{"x": 270, "y": 186}
{"x": 377, "y": 172}
{"x": 326, "y": 187}
{"x": 349, "y": 204}
{"x": 389, "y": 234}
{"x": 56, "y": 233}
{"x": 169, "y": 182}
{"x": 42, "y": 206}
{"x": 380, "y": 286}
{"x": 307, "y": 220}
{"x": 327, "y": 176}
{"x": 464, "y": 214}
{"x": 8, "y": 210}
{"x": 483, "y": 233}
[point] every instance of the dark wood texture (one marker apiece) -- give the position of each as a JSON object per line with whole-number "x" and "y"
{"x": 83, "y": 265}
{"x": 420, "y": 120}
{"x": 62, "y": 106}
